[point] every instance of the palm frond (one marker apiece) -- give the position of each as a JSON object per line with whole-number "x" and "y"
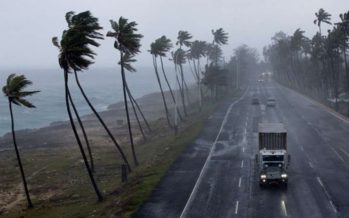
{"x": 14, "y": 90}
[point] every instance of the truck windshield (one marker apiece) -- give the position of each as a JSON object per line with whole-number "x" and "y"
{"x": 273, "y": 158}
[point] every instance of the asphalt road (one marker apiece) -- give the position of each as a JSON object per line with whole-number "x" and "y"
{"x": 216, "y": 176}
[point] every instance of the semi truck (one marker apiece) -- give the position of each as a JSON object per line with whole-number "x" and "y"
{"x": 272, "y": 158}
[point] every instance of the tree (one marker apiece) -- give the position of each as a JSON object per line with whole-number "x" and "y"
{"x": 14, "y": 91}
{"x": 127, "y": 41}
{"x": 197, "y": 51}
{"x": 220, "y": 37}
{"x": 183, "y": 39}
{"x": 89, "y": 26}
{"x": 156, "y": 48}
{"x": 322, "y": 17}
{"x": 75, "y": 55}
{"x": 179, "y": 60}
{"x": 164, "y": 45}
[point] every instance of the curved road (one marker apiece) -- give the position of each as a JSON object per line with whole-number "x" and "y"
{"x": 215, "y": 176}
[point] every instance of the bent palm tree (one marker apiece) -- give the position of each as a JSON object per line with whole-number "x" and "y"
{"x": 155, "y": 51}
{"x": 14, "y": 91}
{"x": 87, "y": 24}
{"x": 198, "y": 50}
{"x": 73, "y": 53}
{"x": 182, "y": 39}
{"x": 164, "y": 46}
{"x": 322, "y": 17}
{"x": 127, "y": 41}
{"x": 220, "y": 37}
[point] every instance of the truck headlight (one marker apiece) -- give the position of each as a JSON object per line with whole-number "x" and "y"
{"x": 284, "y": 175}
{"x": 263, "y": 176}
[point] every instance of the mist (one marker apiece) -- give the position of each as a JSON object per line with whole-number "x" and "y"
{"x": 28, "y": 26}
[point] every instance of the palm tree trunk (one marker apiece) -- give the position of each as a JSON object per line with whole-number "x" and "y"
{"x": 136, "y": 115}
{"x": 30, "y": 204}
{"x": 184, "y": 84}
{"x": 169, "y": 87}
{"x": 162, "y": 91}
{"x": 67, "y": 93}
{"x": 102, "y": 122}
{"x": 84, "y": 134}
{"x": 138, "y": 107}
{"x": 124, "y": 84}
{"x": 182, "y": 96}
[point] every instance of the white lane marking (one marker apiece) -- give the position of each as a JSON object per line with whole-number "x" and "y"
{"x": 338, "y": 155}
{"x": 327, "y": 194}
{"x": 243, "y": 149}
{"x": 333, "y": 207}
{"x": 203, "y": 170}
{"x": 283, "y": 207}
{"x": 236, "y": 207}
{"x": 242, "y": 163}
{"x": 302, "y": 148}
{"x": 311, "y": 165}
{"x": 345, "y": 152}
{"x": 239, "y": 182}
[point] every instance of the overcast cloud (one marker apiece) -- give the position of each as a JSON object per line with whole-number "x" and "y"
{"x": 27, "y": 26}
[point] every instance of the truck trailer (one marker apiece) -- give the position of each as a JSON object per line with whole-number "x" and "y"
{"x": 272, "y": 158}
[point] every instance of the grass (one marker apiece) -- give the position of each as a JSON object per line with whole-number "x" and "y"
{"x": 60, "y": 187}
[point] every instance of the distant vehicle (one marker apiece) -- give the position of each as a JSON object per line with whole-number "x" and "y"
{"x": 255, "y": 101}
{"x": 260, "y": 80}
{"x": 271, "y": 102}
{"x": 272, "y": 159}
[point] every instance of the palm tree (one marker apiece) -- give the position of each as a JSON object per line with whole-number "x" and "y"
{"x": 128, "y": 60}
{"x": 127, "y": 41}
{"x": 179, "y": 59}
{"x": 198, "y": 50}
{"x": 14, "y": 91}
{"x": 220, "y": 37}
{"x": 164, "y": 45}
{"x": 322, "y": 17}
{"x": 155, "y": 51}
{"x": 182, "y": 40}
{"x": 73, "y": 56}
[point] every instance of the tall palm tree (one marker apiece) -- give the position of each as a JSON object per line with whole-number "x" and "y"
{"x": 127, "y": 41}
{"x": 220, "y": 37}
{"x": 183, "y": 39}
{"x": 197, "y": 51}
{"x": 179, "y": 60}
{"x": 87, "y": 24}
{"x": 322, "y": 17}
{"x": 128, "y": 60}
{"x": 155, "y": 52}
{"x": 164, "y": 45}
{"x": 74, "y": 55}
{"x": 14, "y": 91}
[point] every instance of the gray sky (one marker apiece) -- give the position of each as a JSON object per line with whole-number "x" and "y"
{"x": 27, "y": 26}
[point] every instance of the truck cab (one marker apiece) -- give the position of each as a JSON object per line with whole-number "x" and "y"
{"x": 272, "y": 159}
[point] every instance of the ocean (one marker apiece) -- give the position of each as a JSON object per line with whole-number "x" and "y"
{"x": 103, "y": 87}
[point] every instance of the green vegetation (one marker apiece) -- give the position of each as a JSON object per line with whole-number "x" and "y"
{"x": 56, "y": 175}
{"x": 60, "y": 187}
{"x": 317, "y": 66}
{"x": 14, "y": 91}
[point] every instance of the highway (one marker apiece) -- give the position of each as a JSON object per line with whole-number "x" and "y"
{"x": 216, "y": 175}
